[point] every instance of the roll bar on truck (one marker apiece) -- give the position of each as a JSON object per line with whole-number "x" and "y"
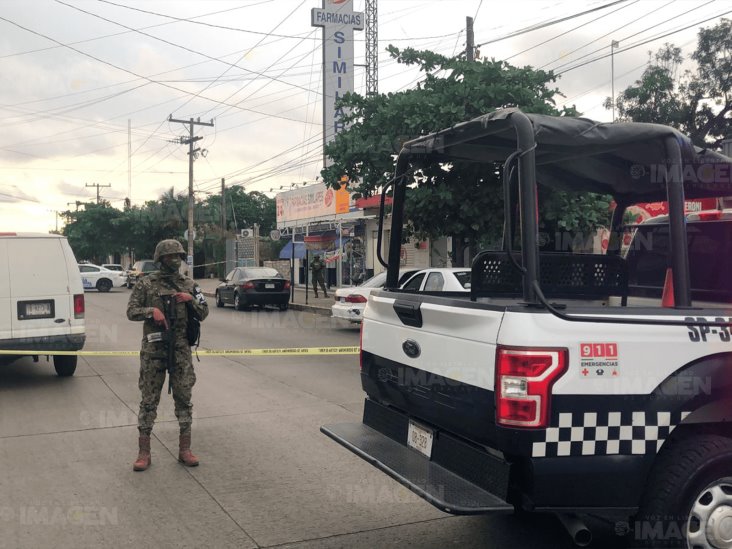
{"x": 549, "y": 388}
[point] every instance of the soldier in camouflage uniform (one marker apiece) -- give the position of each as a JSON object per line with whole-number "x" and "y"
{"x": 146, "y": 303}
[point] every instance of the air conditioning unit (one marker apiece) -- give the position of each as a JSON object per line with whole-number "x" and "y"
{"x": 247, "y": 233}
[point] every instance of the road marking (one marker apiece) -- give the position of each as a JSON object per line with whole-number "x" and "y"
{"x": 210, "y": 352}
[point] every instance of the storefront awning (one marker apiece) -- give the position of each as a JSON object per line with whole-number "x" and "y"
{"x": 286, "y": 252}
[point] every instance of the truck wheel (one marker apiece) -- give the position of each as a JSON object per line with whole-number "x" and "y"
{"x": 219, "y": 301}
{"x": 238, "y": 304}
{"x": 688, "y": 502}
{"x": 104, "y": 285}
{"x": 65, "y": 365}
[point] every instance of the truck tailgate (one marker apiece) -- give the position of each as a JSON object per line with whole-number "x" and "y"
{"x": 433, "y": 358}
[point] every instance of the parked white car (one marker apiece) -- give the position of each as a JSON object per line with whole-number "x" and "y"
{"x": 454, "y": 279}
{"x": 350, "y": 302}
{"x": 99, "y": 278}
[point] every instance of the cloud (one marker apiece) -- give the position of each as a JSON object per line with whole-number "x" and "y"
{"x": 12, "y": 194}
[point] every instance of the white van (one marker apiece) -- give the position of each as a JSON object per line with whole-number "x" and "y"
{"x": 41, "y": 298}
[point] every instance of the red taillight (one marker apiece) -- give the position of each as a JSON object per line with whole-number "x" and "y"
{"x": 79, "y": 306}
{"x": 355, "y": 298}
{"x": 287, "y": 285}
{"x": 247, "y": 286}
{"x": 524, "y": 380}
{"x": 8, "y": 234}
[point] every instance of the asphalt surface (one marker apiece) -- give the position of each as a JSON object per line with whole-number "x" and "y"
{"x": 268, "y": 477}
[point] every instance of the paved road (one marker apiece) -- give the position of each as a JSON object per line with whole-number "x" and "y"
{"x": 268, "y": 477}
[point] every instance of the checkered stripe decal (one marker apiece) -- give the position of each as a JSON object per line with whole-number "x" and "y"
{"x": 607, "y": 433}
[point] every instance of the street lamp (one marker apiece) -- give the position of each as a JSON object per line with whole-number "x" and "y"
{"x": 613, "y": 44}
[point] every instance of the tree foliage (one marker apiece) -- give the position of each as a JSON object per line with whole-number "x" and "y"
{"x": 461, "y": 199}
{"x": 697, "y": 102}
{"x": 100, "y": 230}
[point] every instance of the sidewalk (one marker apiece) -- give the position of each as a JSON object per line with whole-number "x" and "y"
{"x": 320, "y": 305}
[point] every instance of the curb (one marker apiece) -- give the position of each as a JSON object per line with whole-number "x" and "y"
{"x": 294, "y": 306}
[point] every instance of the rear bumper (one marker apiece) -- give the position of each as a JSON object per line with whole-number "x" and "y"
{"x": 278, "y": 298}
{"x": 346, "y": 311}
{"x": 458, "y": 479}
{"x": 70, "y": 342}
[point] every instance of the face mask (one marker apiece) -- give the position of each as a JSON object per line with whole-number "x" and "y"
{"x": 170, "y": 264}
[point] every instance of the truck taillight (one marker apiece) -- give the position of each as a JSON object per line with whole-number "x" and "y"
{"x": 79, "y": 306}
{"x": 355, "y": 298}
{"x": 524, "y": 381}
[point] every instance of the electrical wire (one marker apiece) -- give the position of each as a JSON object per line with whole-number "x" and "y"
{"x": 625, "y": 38}
{"x": 548, "y": 24}
{"x": 644, "y": 42}
{"x": 571, "y": 30}
{"x": 196, "y": 52}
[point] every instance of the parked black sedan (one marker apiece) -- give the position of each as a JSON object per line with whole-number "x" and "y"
{"x": 247, "y": 286}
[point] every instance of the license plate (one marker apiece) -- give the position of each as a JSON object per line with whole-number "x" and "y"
{"x": 269, "y": 286}
{"x": 343, "y": 300}
{"x": 35, "y": 309}
{"x": 420, "y": 438}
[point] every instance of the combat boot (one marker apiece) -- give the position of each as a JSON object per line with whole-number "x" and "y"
{"x": 185, "y": 456}
{"x": 143, "y": 458}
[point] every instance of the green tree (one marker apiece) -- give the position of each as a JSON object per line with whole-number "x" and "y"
{"x": 247, "y": 208}
{"x": 697, "y": 102}
{"x": 93, "y": 232}
{"x": 461, "y": 199}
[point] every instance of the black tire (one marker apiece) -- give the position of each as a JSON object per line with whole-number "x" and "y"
{"x": 104, "y": 285}
{"x": 677, "y": 494}
{"x": 284, "y": 306}
{"x": 219, "y": 301}
{"x": 238, "y": 303}
{"x": 64, "y": 365}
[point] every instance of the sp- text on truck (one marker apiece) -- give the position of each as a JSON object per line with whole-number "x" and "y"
{"x": 567, "y": 383}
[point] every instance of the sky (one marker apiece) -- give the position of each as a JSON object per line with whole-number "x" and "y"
{"x": 84, "y": 83}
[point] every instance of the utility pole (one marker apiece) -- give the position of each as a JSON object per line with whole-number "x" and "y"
{"x": 223, "y": 208}
{"x": 129, "y": 158}
{"x": 222, "y": 272}
{"x": 470, "y": 39}
{"x": 191, "y": 153}
{"x": 613, "y": 44}
{"x": 97, "y": 185}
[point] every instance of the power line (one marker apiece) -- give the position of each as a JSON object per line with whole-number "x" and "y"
{"x": 121, "y": 33}
{"x": 652, "y": 39}
{"x": 625, "y": 38}
{"x": 548, "y": 24}
{"x": 139, "y": 75}
{"x": 231, "y": 65}
{"x": 261, "y": 33}
{"x": 571, "y": 30}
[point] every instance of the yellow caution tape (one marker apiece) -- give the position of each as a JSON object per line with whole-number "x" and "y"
{"x": 210, "y": 352}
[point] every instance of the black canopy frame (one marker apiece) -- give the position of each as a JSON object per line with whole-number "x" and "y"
{"x": 633, "y": 162}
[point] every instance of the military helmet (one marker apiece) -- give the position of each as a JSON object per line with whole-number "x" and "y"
{"x": 167, "y": 247}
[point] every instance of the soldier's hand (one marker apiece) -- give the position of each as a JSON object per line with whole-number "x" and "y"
{"x": 159, "y": 318}
{"x": 183, "y": 297}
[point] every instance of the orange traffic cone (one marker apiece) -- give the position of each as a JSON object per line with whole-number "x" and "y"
{"x": 667, "y": 298}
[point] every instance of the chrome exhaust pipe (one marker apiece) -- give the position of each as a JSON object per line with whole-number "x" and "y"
{"x": 576, "y": 528}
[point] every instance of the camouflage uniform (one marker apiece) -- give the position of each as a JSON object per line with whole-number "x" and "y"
{"x": 146, "y": 295}
{"x": 318, "y": 267}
